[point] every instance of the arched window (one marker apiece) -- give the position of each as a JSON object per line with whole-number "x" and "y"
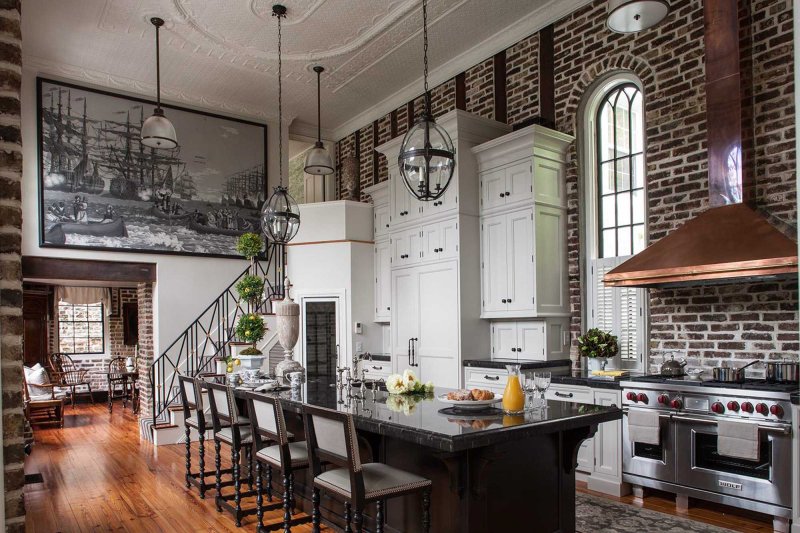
{"x": 614, "y": 212}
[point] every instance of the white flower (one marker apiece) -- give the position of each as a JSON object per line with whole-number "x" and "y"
{"x": 395, "y": 384}
{"x": 410, "y": 380}
{"x": 429, "y": 387}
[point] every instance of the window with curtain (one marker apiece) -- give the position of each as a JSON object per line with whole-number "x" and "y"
{"x": 617, "y": 228}
{"x": 80, "y": 328}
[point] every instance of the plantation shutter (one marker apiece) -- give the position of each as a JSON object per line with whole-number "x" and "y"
{"x": 619, "y": 310}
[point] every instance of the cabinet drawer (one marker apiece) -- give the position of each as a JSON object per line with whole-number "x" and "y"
{"x": 567, "y": 393}
{"x": 486, "y": 376}
{"x": 377, "y": 370}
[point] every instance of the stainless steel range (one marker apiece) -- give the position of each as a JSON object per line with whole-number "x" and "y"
{"x": 686, "y": 460}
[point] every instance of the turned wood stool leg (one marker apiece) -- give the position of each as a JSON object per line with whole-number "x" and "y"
{"x": 259, "y": 498}
{"x": 358, "y": 521}
{"x": 379, "y": 516}
{"x": 287, "y": 499}
{"x": 237, "y": 484}
{"x": 188, "y": 457}
{"x": 269, "y": 483}
{"x": 202, "y": 459}
{"x": 426, "y": 510}
{"x": 218, "y": 474}
{"x": 315, "y": 510}
{"x": 347, "y": 518}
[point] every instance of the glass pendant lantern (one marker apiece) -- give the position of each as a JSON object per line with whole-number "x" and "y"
{"x": 318, "y": 159}
{"x": 427, "y": 156}
{"x": 280, "y": 216}
{"x": 157, "y": 130}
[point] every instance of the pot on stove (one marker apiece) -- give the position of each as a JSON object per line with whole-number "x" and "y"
{"x": 673, "y": 368}
{"x": 726, "y": 374}
{"x": 783, "y": 371}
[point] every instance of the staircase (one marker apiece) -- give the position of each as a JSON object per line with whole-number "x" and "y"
{"x": 210, "y": 336}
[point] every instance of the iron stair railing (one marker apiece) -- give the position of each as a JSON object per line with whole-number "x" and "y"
{"x": 209, "y": 336}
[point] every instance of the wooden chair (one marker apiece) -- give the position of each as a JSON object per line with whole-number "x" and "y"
{"x": 331, "y": 437}
{"x": 116, "y": 377}
{"x": 66, "y": 374}
{"x": 43, "y": 409}
{"x": 195, "y": 416}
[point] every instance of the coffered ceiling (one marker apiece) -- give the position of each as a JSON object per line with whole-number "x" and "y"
{"x": 222, "y": 54}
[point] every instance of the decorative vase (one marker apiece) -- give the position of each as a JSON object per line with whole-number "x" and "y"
{"x": 129, "y": 365}
{"x": 221, "y": 367}
{"x": 351, "y": 183}
{"x": 288, "y": 315}
{"x": 597, "y": 363}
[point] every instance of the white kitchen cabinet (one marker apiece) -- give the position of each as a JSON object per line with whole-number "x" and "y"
{"x": 524, "y": 340}
{"x": 383, "y": 289}
{"x": 381, "y": 220}
{"x": 504, "y": 340}
{"x": 405, "y": 207}
{"x": 380, "y": 208}
{"x": 507, "y": 186}
{"x": 493, "y": 379}
{"x": 407, "y": 247}
{"x": 440, "y": 240}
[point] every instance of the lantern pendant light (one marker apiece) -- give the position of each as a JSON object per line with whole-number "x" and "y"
{"x": 157, "y": 130}
{"x": 318, "y": 160}
{"x": 280, "y": 216}
{"x": 427, "y": 156}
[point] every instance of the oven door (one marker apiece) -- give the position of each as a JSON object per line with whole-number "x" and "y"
{"x": 647, "y": 460}
{"x": 699, "y": 465}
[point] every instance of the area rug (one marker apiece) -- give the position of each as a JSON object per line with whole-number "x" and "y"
{"x": 596, "y": 515}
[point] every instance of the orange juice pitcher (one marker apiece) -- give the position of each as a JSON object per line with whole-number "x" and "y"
{"x": 513, "y": 396}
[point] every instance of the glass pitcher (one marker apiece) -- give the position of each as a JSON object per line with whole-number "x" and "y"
{"x": 513, "y": 396}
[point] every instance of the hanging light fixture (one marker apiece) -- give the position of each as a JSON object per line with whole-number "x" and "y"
{"x": 427, "y": 157}
{"x": 318, "y": 160}
{"x": 280, "y": 216}
{"x": 630, "y": 16}
{"x": 157, "y": 130}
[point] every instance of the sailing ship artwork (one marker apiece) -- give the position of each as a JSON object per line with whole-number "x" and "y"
{"x": 100, "y": 188}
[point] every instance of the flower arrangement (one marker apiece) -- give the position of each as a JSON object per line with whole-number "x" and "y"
{"x": 250, "y": 288}
{"x": 597, "y": 343}
{"x": 250, "y": 328}
{"x": 249, "y": 245}
{"x": 405, "y": 403}
{"x": 407, "y": 384}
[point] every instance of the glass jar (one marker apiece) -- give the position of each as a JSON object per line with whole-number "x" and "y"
{"x": 513, "y": 396}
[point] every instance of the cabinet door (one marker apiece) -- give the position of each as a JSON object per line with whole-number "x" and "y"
{"x": 405, "y": 314}
{"x": 448, "y": 240}
{"x": 531, "y": 341}
{"x": 494, "y": 262}
{"x": 383, "y": 289}
{"x": 519, "y": 183}
{"x": 576, "y": 395}
{"x": 447, "y": 202}
{"x": 504, "y": 338}
{"x": 519, "y": 257}
{"x": 381, "y": 220}
{"x": 493, "y": 188}
{"x": 607, "y": 439}
{"x": 431, "y": 236}
{"x": 437, "y": 349}
{"x": 551, "y": 260}
{"x": 406, "y": 247}
{"x": 401, "y": 198}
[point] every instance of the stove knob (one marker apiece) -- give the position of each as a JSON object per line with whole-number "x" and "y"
{"x": 747, "y": 407}
{"x": 761, "y": 408}
{"x": 718, "y": 408}
{"x": 776, "y": 410}
{"x": 642, "y": 397}
{"x": 676, "y": 403}
{"x": 733, "y": 406}
{"x": 631, "y": 396}
{"x": 663, "y": 399}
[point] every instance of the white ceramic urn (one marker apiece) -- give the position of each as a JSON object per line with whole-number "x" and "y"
{"x": 288, "y": 315}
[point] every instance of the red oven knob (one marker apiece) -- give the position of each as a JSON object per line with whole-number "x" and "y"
{"x": 718, "y": 408}
{"x": 776, "y": 410}
{"x": 663, "y": 399}
{"x": 761, "y": 408}
{"x": 733, "y": 406}
{"x": 642, "y": 397}
{"x": 747, "y": 407}
{"x": 676, "y": 404}
{"x": 631, "y": 396}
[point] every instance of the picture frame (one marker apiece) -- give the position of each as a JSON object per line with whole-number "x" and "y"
{"x": 101, "y": 189}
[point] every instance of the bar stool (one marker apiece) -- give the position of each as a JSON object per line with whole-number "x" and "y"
{"x": 268, "y": 426}
{"x": 234, "y": 430}
{"x": 194, "y": 416}
{"x": 331, "y": 437}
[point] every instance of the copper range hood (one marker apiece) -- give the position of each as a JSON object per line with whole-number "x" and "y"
{"x": 730, "y": 242}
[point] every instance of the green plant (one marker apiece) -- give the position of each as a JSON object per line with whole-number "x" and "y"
{"x": 249, "y": 245}
{"x": 252, "y": 350}
{"x": 250, "y": 328}
{"x": 250, "y": 288}
{"x": 598, "y": 343}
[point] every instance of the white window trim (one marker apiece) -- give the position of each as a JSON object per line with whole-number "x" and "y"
{"x": 587, "y": 142}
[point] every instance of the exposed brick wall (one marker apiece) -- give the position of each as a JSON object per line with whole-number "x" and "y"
{"x": 384, "y": 135}
{"x": 345, "y": 148}
{"x": 522, "y": 80}
{"x": 443, "y": 98}
{"x": 146, "y": 353}
{"x": 480, "y": 89}
{"x": 366, "y": 144}
{"x": 10, "y": 265}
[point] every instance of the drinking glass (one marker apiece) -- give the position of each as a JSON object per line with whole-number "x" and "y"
{"x": 542, "y": 383}
{"x": 528, "y": 385}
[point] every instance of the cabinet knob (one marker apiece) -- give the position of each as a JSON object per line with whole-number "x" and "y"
{"x": 502, "y": 195}
{"x": 503, "y": 300}
{"x": 387, "y": 225}
{"x": 508, "y": 300}
{"x": 508, "y": 193}
{"x": 513, "y": 349}
{"x": 388, "y": 308}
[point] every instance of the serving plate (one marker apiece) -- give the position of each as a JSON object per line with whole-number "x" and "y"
{"x": 471, "y": 405}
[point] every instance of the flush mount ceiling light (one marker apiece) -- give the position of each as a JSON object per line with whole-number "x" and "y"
{"x": 427, "y": 157}
{"x": 318, "y": 160}
{"x": 157, "y": 130}
{"x": 630, "y": 16}
{"x": 280, "y": 216}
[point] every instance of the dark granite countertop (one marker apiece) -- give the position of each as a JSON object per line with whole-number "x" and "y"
{"x": 796, "y": 398}
{"x": 582, "y": 377}
{"x": 419, "y": 420}
{"x": 526, "y": 365}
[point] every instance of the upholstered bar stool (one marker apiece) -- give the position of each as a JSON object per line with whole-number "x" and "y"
{"x": 233, "y": 430}
{"x": 273, "y": 449}
{"x": 195, "y": 417}
{"x": 331, "y": 437}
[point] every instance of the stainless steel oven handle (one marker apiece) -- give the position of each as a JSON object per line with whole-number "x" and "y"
{"x": 625, "y": 412}
{"x": 785, "y": 430}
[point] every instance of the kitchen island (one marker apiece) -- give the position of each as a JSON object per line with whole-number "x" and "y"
{"x": 490, "y": 471}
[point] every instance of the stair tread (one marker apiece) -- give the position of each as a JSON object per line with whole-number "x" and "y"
{"x": 165, "y": 425}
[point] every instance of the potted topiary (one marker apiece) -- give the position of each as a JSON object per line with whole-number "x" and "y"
{"x": 250, "y": 328}
{"x": 250, "y": 288}
{"x": 250, "y": 245}
{"x": 598, "y": 346}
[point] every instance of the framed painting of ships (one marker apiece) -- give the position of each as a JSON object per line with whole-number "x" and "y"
{"x": 101, "y": 189}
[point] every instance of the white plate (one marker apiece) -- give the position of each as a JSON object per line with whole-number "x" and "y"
{"x": 475, "y": 405}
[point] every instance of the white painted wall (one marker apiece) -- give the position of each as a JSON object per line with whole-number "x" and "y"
{"x": 186, "y": 284}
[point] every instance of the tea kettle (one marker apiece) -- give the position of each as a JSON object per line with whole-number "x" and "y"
{"x": 672, "y": 367}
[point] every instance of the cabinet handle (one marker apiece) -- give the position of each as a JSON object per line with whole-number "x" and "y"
{"x": 377, "y": 368}
{"x": 492, "y": 378}
{"x": 562, "y": 395}
{"x": 502, "y": 195}
{"x": 513, "y": 349}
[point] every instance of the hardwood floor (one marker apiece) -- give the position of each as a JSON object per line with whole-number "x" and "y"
{"x": 98, "y": 476}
